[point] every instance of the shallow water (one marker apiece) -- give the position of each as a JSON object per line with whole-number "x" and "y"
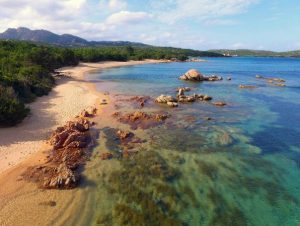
{"x": 240, "y": 168}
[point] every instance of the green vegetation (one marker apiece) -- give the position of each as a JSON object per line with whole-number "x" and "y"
{"x": 25, "y": 73}
{"x": 257, "y": 53}
{"x": 124, "y": 53}
{"x": 25, "y": 69}
{"x": 11, "y": 109}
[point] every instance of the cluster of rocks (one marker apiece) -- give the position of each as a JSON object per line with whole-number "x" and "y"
{"x": 182, "y": 98}
{"x": 274, "y": 81}
{"x": 139, "y": 119}
{"x": 166, "y": 99}
{"x": 196, "y": 76}
{"x": 69, "y": 151}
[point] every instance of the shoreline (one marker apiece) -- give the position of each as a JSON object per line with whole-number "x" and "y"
{"x": 66, "y": 100}
{"x": 22, "y": 202}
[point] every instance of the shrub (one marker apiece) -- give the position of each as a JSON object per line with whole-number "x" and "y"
{"x": 12, "y": 111}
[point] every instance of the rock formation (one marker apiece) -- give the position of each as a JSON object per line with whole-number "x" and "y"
{"x": 69, "y": 151}
{"x": 192, "y": 75}
{"x": 139, "y": 119}
{"x": 196, "y": 76}
{"x": 163, "y": 99}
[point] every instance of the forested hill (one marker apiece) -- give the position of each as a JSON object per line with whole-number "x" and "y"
{"x": 67, "y": 40}
{"x": 257, "y": 53}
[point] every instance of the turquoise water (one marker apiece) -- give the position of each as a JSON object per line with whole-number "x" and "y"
{"x": 240, "y": 168}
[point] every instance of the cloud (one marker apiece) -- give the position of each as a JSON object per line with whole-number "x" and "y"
{"x": 199, "y": 10}
{"x": 126, "y": 17}
{"x": 113, "y": 5}
{"x": 210, "y": 22}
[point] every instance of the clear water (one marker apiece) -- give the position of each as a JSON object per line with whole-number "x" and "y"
{"x": 240, "y": 168}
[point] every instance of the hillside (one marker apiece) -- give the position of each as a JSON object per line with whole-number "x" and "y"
{"x": 257, "y": 53}
{"x": 47, "y": 37}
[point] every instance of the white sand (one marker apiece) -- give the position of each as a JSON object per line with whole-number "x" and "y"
{"x": 65, "y": 101}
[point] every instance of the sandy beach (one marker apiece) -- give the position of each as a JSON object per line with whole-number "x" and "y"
{"x": 22, "y": 203}
{"x": 67, "y": 99}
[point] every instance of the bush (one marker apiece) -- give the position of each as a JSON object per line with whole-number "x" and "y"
{"x": 12, "y": 111}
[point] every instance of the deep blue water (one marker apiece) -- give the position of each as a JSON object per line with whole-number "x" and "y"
{"x": 243, "y": 167}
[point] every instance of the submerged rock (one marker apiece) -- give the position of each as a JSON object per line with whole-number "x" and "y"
{"x": 124, "y": 134}
{"x": 247, "y": 87}
{"x": 269, "y": 79}
{"x": 280, "y": 84}
{"x": 219, "y": 103}
{"x": 139, "y": 119}
{"x": 106, "y": 156}
{"x": 140, "y": 100}
{"x": 207, "y": 98}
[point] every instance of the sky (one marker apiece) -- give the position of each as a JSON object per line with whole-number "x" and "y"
{"x": 196, "y": 24}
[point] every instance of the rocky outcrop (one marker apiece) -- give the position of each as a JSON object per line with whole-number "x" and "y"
{"x": 182, "y": 98}
{"x": 72, "y": 135}
{"x": 69, "y": 151}
{"x": 163, "y": 99}
{"x": 196, "y": 76}
{"x": 139, "y": 119}
{"x": 192, "y": 75}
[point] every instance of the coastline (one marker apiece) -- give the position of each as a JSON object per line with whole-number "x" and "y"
{"x": 22, "y": 203}
{"x": 66, "y": 100}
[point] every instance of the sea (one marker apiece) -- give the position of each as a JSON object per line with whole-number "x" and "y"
{"x": 206, "y": 165}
